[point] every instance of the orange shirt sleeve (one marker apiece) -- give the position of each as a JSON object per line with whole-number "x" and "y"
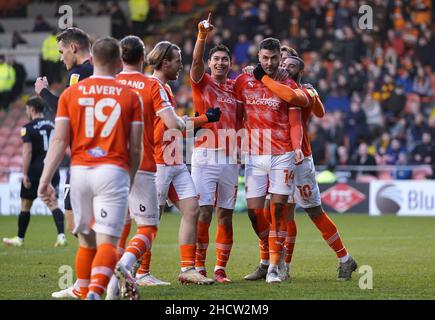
{"x": 293, "y": 96}
{"x": 160, "y": 97}
{"x": 62, "y": 106}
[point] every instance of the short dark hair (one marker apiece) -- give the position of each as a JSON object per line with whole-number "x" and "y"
{"x": 75, "y": 35}
{"x": 132, "y": 49}
{"x": 219, "y": 47}
{"x": 106, "y": 51}
{"x": 36, "y": 103}
{"x": 271, "y": 44}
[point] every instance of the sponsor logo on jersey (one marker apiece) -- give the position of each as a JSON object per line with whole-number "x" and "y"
{"x": 97, "y": 152}
{"x": 227, "y": 100}
{"x": 267, "y": 102}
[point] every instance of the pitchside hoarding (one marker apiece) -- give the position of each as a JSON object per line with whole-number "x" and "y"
{"x": 402, "y": 198}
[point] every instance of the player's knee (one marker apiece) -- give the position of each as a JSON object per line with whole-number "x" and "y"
{"x": 314, "y": 212}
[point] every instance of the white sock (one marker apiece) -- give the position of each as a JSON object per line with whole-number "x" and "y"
{"x": 272, "y": 267}
{"x": 76, "y": 286}
{"x": 128, "y": 259}
{"x": 199, "y": 268}
{"x": 216, "y": 268}
{"x": 344, "y": 259}
{"x": 264, "y": 262}
{"x": 112, "y": 287}
{"x": 183, "y": 269}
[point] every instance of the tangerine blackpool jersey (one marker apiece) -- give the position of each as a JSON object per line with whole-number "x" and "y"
{"x": 165, "y": 99}
{"x": 208, "y": 93}
{"x": 101, "y": 112}
{"x": 147, "y": 88}
{"x": 265, "y": 116}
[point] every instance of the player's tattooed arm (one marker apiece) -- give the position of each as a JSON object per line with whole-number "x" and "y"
{"x": 197, "y": 70}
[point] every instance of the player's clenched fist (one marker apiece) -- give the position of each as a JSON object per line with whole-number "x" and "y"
{"x": 299, "y": 156}
{"x": 205, "y": 27}
{"x": 45, "y": 191}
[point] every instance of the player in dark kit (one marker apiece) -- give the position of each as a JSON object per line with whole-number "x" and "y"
{"x": 36, "y": 138}
{"x": 74, "y": 47}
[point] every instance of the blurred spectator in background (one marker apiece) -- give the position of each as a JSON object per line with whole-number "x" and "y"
{"x": 84, "y": 9}
{"x": 41, "y": 25}
{"x": 7, "y": 82}
{"x": 102, "y": 8}
{"x": 402, "y": 174}
{"x": 119, "y": 21}
{"x": 20, "y": 79}
{"x": 356, "y": 125}
{"x": 394, "y": 149}
{"x": 138, "y": 15}
{"x": 51, "y": 66}
{"x": 424, "y": 152}
{"x": 363, "y": 158}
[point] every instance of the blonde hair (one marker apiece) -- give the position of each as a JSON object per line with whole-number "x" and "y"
{"x": 163, "y": 50}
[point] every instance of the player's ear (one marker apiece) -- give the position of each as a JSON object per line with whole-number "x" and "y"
{"x": 74, "y": 48}
{"x": 91, "y": 59}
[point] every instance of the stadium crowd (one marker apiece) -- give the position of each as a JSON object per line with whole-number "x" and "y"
{"x": 377, "y": 85}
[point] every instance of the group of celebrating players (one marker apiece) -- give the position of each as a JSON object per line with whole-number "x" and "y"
{"x": 124, "y": 133}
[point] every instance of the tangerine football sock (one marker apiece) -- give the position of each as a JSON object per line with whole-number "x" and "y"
{"x": 144, "y": 267}
{"x": 283, "y": 226}
{"x": 123, "y": 239}
{"x": 262, "y": 228}
{"x": 102, "y": 268}
{"x": 290, "y": 240}
{"x": 330, "y": 234}
{"x": 276, "y": 240}
{"x": 201, "y": 244}
{"x": 187, "y": 254}
{"x": 224, "y": 243}
{"x": 138, "y": 245}
{"x": 84, "y": 258}
{"x": 266, "y": 212}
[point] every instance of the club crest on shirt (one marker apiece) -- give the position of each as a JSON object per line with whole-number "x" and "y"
{"x": 23, "y": 132}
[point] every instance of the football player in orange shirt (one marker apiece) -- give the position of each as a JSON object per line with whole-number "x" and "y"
{"x": 305, "y": 190}
{"x": 270, "y": 122}
{"x": 173, "y": 178}
{"x": 214, "y": 162}
{"x": 102, "y": 120}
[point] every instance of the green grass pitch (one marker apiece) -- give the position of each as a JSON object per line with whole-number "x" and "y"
{"x": 400, "y": 251}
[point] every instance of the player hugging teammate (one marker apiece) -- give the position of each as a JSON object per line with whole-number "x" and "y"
{"x": 118, "y": 131}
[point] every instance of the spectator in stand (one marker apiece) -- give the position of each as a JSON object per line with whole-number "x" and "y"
{"x": 393, "y": 151}
{"x": 119, "y": 21}
{"x": 402, "y": 174}
{"x": 422, "y": 83}
{"x": 41, "y": 25}
{"x": 356, "y": 125}
{"x": 318, "y": 143}
{"x": 20, "y": 79}
{"x": 416, "y": 130}
{"x": 7, "y": 82}
{"x": 424, "y": 152}
{"x": 342, "y": 156}
{"x": 241, "y": 50}
{"x": 363, "y": 158}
